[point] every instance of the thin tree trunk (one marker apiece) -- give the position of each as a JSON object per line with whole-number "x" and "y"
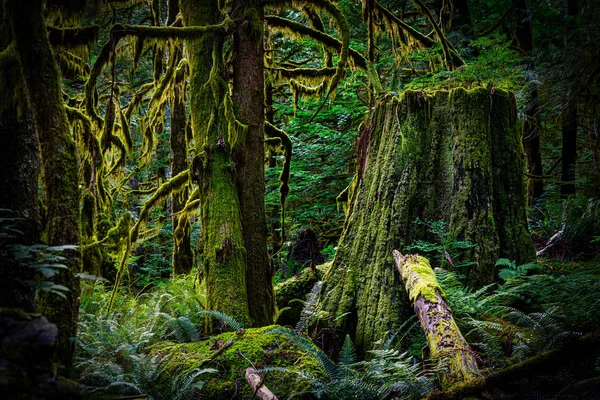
{"x": 531, "y": 132}
{"x": 446, "y": 343}
{"x": 248, "y": 97}
{"x": 569, "y": 129}
{"x": 569, "y": 148}
{"x": 59, "y": 162}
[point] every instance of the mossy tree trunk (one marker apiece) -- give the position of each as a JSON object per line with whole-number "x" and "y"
{"x": 224, "y": 259}
{"x": 59, "y": 161}
{"x": 19, "y": 171}
{"x": 248, "y": 97}
{"x": 452, "y": 156}
{"x": 446, "y": 343}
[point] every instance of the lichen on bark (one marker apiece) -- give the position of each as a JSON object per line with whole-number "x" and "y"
{"x": 452, "y": 156}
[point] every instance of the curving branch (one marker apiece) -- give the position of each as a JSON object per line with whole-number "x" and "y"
{"x": 286, "y": 25}
{"x": 163, "y": 191}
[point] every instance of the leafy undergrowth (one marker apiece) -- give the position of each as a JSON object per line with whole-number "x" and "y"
{"x": 155, "y": 343}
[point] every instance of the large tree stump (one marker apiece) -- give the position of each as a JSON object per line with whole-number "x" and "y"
{"x": 454, "y": 156}
{"x": 446, "y": 343}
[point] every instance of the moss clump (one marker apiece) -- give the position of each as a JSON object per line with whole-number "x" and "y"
{"x": 252, "y": 346}
{"x": 421, "y": 280}
{"x": 292, "y": 293}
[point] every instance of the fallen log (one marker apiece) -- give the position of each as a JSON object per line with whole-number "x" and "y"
{"x": 259, "y": 390}
{"x": 446, "y": 343}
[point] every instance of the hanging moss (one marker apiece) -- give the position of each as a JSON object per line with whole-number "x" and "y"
{"x": 284, "y": 140}
{"x": 447, "y": 156}
{"x": 296, "y": 29}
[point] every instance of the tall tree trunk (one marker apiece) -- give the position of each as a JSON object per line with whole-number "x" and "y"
{"x": 451, "y": 156}
{"x": 569, "y": 129}
{"x": 59, "y": 162}
{"x": 531, "y": 132}
{"x": 569, "y": 147}
{"x": 248, "y": 97}
{"x": 19, "y": 171}
{"x": 224, "y": 260}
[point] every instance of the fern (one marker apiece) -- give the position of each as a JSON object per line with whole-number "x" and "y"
{"x": 512, "y": 271}
{"x": 225, "y": 319}
{"x": 388, "y": 372}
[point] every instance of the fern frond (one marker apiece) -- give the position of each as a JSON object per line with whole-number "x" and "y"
{"x": 224, "y": 318}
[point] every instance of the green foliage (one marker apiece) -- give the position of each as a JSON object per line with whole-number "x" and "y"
{"x": 511, "y": 270}
{"x": 225, "y": 319}
{"x": 445, "y": 250}
{"x": 113, "y": 348}
{"x": 490, "y": 60}
{"x": 387, "y": 373}
{"x": 574, "y": 223}
{"x": 46, "y": 262}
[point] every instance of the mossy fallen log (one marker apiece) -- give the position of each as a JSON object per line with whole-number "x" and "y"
{"x": 556, "y": 374}
{"x": 446, "y": 343}
{"x": 231, "y": 354}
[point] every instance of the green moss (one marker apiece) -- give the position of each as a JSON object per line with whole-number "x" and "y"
{"x": 433, "y": 156}
{"x": 421, "y": 280}
{"x": 252, "y": 346}
{"x": 291, "y": 294}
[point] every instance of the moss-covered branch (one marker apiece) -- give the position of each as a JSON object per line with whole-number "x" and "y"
{"x": 119, "y": 31}
{"x": 295, "y": 28}
{"x": 161, "y": 193}
{"x": 73, "y": 36}
{"x": 388, "y": 16}
{"x": 273, "y": 132}
{"x": 445, "y": 341}
{"x": 451, "y": 56}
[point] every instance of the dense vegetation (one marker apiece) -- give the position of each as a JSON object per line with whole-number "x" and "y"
{"x": 194, "y": 194}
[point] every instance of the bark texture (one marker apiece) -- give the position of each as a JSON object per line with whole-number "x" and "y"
{"x": 59, "y": 162}
{"x": 446, "y": 343}
{"x": 215, "y": 134}
{"x": 19, "y": 172}
{"x": 248, "y": 97}
{"x": 452, "y": 156}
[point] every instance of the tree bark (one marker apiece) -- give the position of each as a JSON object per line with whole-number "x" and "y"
{"x": 248, "y": 97}
{"x": 19, "y": 171}
{"x": 446, "y": 343}
{"x": 224, "y": 260}
{"x": 452, "y": 156}
{"x": 258, "y": 388}
{"x": 570, "y": 118}
{"x": 59, "y": 162}
{"x": 569, "y": 148}
{"x": 530, "y": 131}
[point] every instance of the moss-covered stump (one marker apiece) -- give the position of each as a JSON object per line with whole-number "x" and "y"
{"x": 230, "y": 354}
{"x": 569, "y": 372}
{"x": 291, "y": 294}
{"x": 452, "y": 156}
